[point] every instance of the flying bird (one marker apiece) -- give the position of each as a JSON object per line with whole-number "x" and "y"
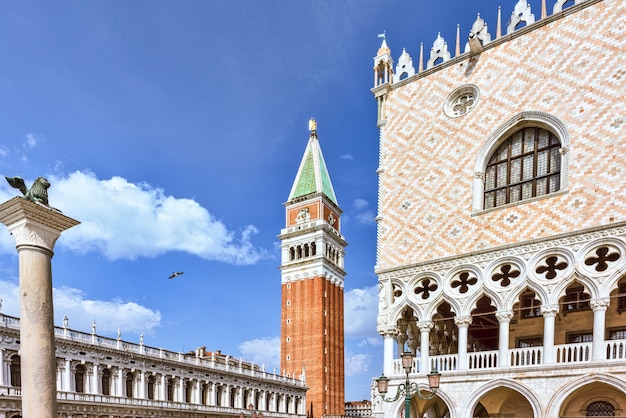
{"x": 177, "y": 273}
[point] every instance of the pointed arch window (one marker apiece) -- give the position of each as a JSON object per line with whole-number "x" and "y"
{"x": 526, "y": 165}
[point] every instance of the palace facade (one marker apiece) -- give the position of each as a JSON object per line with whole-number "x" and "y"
{"x": 99, "y": 377}
{"x": 501, "y": 247}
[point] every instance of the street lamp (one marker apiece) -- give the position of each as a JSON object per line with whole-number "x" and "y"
{"x": 408, "y": 389}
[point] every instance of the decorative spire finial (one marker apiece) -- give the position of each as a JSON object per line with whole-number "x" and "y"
{"x": 313, "y": 125}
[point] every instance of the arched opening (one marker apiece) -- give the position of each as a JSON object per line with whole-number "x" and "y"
{"x": 596, "y": 399}
{"x": 170, "y": 389}
{"x": 16, "y": 371}
{"x": 151, "y": 381}
{"x": 444, "y": 335}
{"x": 527, "y": 326}
{"x": 503, "y": 402}
{"x": 484, "y": 329}
{"x": 106, "y": 382}
{"x": 130, "y": 377}
{"x": 79, "y": 379}
{"x": 188, "y": 391}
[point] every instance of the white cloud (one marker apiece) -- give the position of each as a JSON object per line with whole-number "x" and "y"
{"x": 123, "y": 220}
{"x": 346, "y": 157}
{"x": 366, "y": 218}
{"x": 4, "y": 151}
{"x": 370, "y": 342}
{"x": 356, "y": 363}
{"x": 31, "y": 141}
{"x": 360, "y": 203}
{"x": 364, "y": 215}
{"x": 361, "y": 310}
{"x": 263, "y": 351}
{"x": 130, "y": 317}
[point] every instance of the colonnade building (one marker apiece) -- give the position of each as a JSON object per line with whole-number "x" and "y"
{"x": 99, "y": 377}
{"x": 501, "y": 244}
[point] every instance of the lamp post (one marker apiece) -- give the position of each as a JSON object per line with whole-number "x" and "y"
{"x": 408, "y": 388}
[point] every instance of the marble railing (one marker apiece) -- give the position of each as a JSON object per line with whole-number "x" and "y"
{"x": 519, "y": 357}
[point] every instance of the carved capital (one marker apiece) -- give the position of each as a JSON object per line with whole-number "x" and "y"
{"x": 28, "y": 233}
{"x": 387, "y": 330}
{"x": 33, "y": 224}
{"x": 549, "y": 310}
{"x": 425, "y": 325}
{"x": 463, "y": 321}
{"x": 600, "y": 304}
{"x": 504, "y": 316}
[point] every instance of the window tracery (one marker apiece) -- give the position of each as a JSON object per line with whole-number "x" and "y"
{"x": 526, "y": 165}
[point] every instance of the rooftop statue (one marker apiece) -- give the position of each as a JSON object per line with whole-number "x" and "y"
{"x": 37, "y": 193}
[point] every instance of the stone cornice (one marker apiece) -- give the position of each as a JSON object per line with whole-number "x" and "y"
{"x": 567, "y": 239}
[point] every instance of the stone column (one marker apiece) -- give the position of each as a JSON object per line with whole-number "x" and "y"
{"x": 504, "y": 320}
{"x": 425, "y": 327}
{"x": 36, "y": 228}
{"x": 4, "y": 367}
{"x": 549, "y": 314}
{"x": 462, "y": 323}
{"x": 388, "y": 333}
{"x": 599, "y": 307}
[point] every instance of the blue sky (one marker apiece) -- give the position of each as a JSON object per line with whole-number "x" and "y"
{"x": 173, "y": 131}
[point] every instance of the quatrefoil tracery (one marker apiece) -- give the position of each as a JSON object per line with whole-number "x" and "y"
{"x": 602, "y": 259}
{"x": 464, "y": 282}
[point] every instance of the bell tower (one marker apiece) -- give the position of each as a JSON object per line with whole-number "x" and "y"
{"x": 312, "y": 272}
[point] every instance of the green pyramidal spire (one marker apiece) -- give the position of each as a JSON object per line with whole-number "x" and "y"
{"x": 312, "y": 175}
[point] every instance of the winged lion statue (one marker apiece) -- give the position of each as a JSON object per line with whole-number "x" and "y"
{"x": 37, "y": 193}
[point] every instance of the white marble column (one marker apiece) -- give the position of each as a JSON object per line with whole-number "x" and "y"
{"x": 462, "y": 323}
{"x": 95, "y": 371}
{"x": 141, "y": 393}
{"x": 120, "y": 382}
{"x": 36, "y": 228}
{"x": 504, "y": 320}
{"x": 425, "y": 327}
{"x": 181, "y": 390}
{"x": 599, "y": 307}
{"x": 3, "y": 368}
{"x": 388, "y": 333}
{"x": 549, "y": 313}
{"x": 67, "y": 375}
{"x": 163, "y": 391}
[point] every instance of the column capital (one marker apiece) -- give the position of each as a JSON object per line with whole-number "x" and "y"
{"x": 463, "y": 321}
{"x": 387, "y": 330}
{"x": 504, "y": 316}
{"x": 600, "y": 304}
{"x": 549, "y": 310}
{"x": 425, "y": 325}
{"x": 33, "y": 223}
